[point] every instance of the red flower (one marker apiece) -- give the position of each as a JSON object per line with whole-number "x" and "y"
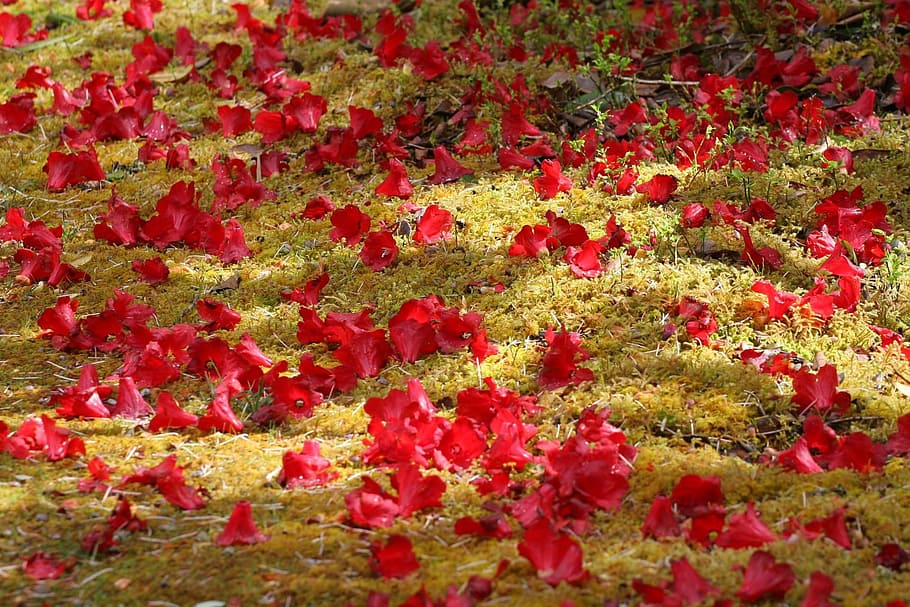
{"x": 798, "y": 458}
{"x": 696, "y": 495}
{"x": 556, "y": 556}
{"x": 552, "y": 181}
{"x": 447, "y": 168}
{"x": 241, "y": 528}
{"x": 531, "y": 241}
{"x": 819, "y": 391}
{"x": 514, "y": 125}
{"x": 365, "y": 353}
{"x": 306, "y": 110}
{"x": 220, "y": 416}
{"x": 141, "y": 14}
{"x": 153, "y": 271}
{"x": 661, "y": 521}
{"x": 416, "y": 492}
{"x": 363, "y": 122}
{"x": 397, "y": 182}
{"x": 659, "y": 188}
{"x": 559, "y": 366}
{"x": 218, "y": 314}
{"x": 779, "y": 302}
{"x": 350, "y": 224}
{"x": 395, "y": 559}
{"x": 316, "y": 208}
{"x": 819, "y": 591}
{"x": 745, "y": 530}
{"x": 68, "y": 169}
{"x": 371, "y": 506}
{"x": 235, "y": 120}
{"x": 434, "y": 225}
{"x": 42, "y": 566}
{"x": 305, "y": 469}
{"x": 694, "y": 215}
{"x": 764, "y": 578}
{"x": 169, "y": 415}
{"x": 130, "y": 403}
{"x": 84, "y": 400}
{"x": 379, "y": 250}
{"x": 18, "y": 114}
{"x": 168, "y": 478}
{"x": 429, "y": 61}
{"x": 585, "y": 261}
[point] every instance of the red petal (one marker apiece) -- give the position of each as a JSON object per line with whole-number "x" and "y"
{"x": 241, "y": 528}
{"x": 395, "y": 559}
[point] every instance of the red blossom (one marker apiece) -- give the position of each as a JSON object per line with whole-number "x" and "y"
{"x": 394, "y": 559}
{"x": 531, "y": 241}
{"x": 43, "y": 566}
{"x": 306, "y": 468}
{"x": 17, "y": 115}
{"x": 141, "y": 14}
{"x": 745, "y": 530}
{"x": 130, "y": 403}
{"x": 434, "y": 224}
{"x": 64, "y": 170}
{"x": 765, "y": 578}
{"x": 379, "y": 250}
{"x": 371, "y": 506}
{"x": 350, "y": 224}
{"x": 220, "y": 416}
{"x": 416, "y": 492}
{"x": 661, "y": 520}
{"x": 818, "y": 391}
{"x": 168, "y": 478}
{"x": 169, "y": 415}
{"x": 396, "y": 183}
{"x": 153, "y": 271}
{"x": 447, "y": 169}
{"x": 556, "y": 556}
{"x": 659, "y": 188}
{"x": 552, "y": 181}
{"x": 219, "y": 315}
{"x": 241, "y": 528}
{"x": 559, "y": 366}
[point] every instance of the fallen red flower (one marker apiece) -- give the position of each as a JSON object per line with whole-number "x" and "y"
{"x": 434, "y": 224}
{"x": 396, "y": 183}
{"x": 447, "y": 169}
{"x": 64, "y": 170}
{"x": 659, "y": 188}
{"x": 765, "y": 578}
{"x": 241, "y": 528}
{"x": 169, "y": 415}
{"x": 556, "y": 556}
{"x": 306, "y": 468}
{"x": 42, "y": 566}
{"x": 394, "y": 559}
{"x": 552, "y": 181}
{"x": 379, "y": 250}
{"x": 745, "y": 530}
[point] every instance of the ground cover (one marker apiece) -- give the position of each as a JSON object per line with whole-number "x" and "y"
{"x": 540, "y": 303}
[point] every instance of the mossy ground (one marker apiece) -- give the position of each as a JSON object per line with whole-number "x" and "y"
{"x": 689, "y": 409}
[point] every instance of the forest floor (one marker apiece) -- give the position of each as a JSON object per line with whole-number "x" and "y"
{"x": 539, "y": 304}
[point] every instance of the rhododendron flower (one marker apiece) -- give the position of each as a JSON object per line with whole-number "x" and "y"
{"x": 371, "y": 506}
{"x": 141, "y": 14}
{"x": 394, "y": 559}
{"x": 745, "y": 530}
{"x": 531, "y": 241}
{"x": 220, "y": 416}
{"x": 433, "y": 225}
{"x": 556, "y": 556}
{"x": 85, "y": 399}
{"x": 153, "y": 271}
{"x": 169, "y": 415}
{"x": 552, "y": 181}
{"x": 379, "y": 250}
{"x": 661, "y": 520}
{"x": 18, "y": 114}
{"x": 397, "y": 182}
{"x": 659, "y": 188}
{"x": 415, "y": 491}
{"x": 69, "y": 169}
{"x": 559, "y": 366}
{"x": 765, "y": 578}
{"x": 130, "y": 403}
{"x": 217, "y": 314}
{"x": 306, "y": 468}
{"x": 350, "y": 224}
{"x": 43, "y": 566}
{"x": 819, "y": 391}
{"x": 241, "y": 528}
{"x": 585, "y": 261}
{"x": 447, "y": 168}
{"x": 168, "y": 478}
{"x": 102, "y": 538}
